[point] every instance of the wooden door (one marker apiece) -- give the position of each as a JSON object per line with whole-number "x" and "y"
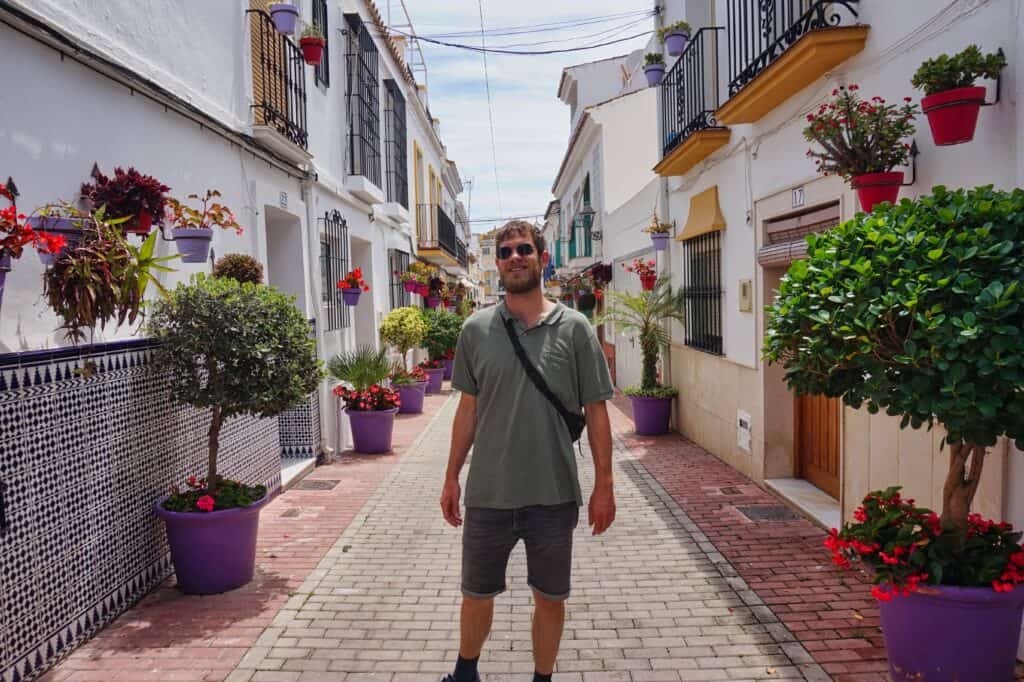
{"x": 817, "y": 441}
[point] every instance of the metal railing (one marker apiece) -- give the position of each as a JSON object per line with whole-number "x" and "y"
{"x": 761, "y": 30}
{"x": 690, "y": 90}
{"x": 333, "y": 266}
{"x": 436, "y": 229}
{"x": 395, "y": 144}
{"x": 364, "y": 102}
{"x": 702, "y": 288}
{"x": 461, "y": 255}
{"x": 279, "y": 80}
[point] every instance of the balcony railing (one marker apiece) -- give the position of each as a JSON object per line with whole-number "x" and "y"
{"x": 690, "y": 90}
{"x": 461, "y": 255}
{"x": 279, "y": 80}
{"x": 760, "y": 31}
{"x": 436, "y": 229}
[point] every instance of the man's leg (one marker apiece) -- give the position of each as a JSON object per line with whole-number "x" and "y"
{"x": 477, "y": 615}
{"x": 548, "y": 620}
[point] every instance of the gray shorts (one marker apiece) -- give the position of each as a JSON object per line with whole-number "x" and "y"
{"x": 488, "y": 536}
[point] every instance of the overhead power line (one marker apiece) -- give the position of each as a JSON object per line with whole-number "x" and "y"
{"x": 487, "y": 50}
{"x": 544, "y": 28}
{"x": 490, "y": 107}
{"x": 604, "y": 33}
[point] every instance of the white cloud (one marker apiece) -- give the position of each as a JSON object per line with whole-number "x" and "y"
{"x": 531, "y": 126}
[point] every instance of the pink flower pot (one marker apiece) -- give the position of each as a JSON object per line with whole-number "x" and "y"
{"x": 411, "y": 286}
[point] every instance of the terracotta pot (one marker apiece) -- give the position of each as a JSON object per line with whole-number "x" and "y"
{"x": 953, "y": 114}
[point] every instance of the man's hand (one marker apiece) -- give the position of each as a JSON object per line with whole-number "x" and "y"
{"x": 602, "y": 508}
{"x": 450, "y": 503}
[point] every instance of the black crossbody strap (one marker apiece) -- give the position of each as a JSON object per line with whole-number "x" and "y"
{"x": 574, "y": 422}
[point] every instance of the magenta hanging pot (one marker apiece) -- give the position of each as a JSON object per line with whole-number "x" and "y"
{"x": 284, "y": 15}
{"x": 193, "y": 244}
{"x": 411, "y": 286}
{"x": 351, "y": 296}
{"x": 412, "y": 396}
{"x": 422, "y": 289}
{"x": 372, "y": 430}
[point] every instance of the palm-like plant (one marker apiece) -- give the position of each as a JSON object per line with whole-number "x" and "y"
{"x": 361, "y": 368}
{"x": 644, "y": 313}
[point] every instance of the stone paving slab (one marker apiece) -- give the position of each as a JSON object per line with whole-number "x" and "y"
{"x": 652, "y": 599}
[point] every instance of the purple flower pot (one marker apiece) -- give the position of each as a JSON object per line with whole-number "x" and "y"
{"x": 193, "y": 245}
{"x": 660, "y": 241}
{"x": 434, "y": 379}
{"x": 655, "y": 73}
{"x": 651, "y": 415}
{"x": 411, "y": 286}
{"x": 675, "y": 42}
{"x": 412, "y": 396}
{"x": 70, "y": 228}
{"x": 449, "y": 363}
{"x": 284, "y": 15}
{"x": 943, "y": 632}
{"x": 432, "y": 301}
{"x": 371, "y": 430}
{"x": 213, "y": 552}
{"x": 351, "y": 296}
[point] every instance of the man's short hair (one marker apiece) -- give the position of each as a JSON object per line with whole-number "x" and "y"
{"x": 521, "y": 228}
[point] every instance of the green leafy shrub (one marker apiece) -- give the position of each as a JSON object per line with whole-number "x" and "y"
{"x": 959, "y": 71}
{"x": 443, "y": 329}
{"x": 403, "y": 329}
{"x": 916, "y": 309}
{"x": 234, "y": 349}
{"x": 240, "y": 267}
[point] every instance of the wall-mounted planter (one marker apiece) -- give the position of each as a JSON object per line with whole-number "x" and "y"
{"x": 141, "y": 224}
{"x": 676, "y": 42}
{"x": 284, "y": 15}
{"x": 312, "y": 49}
{"x": 422, "y": 290}
{"x": 69, "y": 228}
{"x": 655, "y": 73}
{"x": 953, "y": 114}
{"x": 351, "y": 296}
{"x": 411, "y": 286}
{"x": 659, "y": 240}
{"x": 874, "y": 188}
{"x": 193, "y": 245}
{"x": 648, "y": 282}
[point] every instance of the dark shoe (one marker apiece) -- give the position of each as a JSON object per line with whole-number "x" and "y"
{"x": 451, "y": 678}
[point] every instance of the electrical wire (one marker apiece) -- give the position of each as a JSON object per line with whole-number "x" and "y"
{"x": 487, "y": 50}
{"x": 543, "y": 27}
{"x": 605, "y": 33}
{"x": 490, "y": 107}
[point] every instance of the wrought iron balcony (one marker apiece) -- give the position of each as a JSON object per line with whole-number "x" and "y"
{"x": 778, "y": 47}
{"x": 279, "y": 80}
{"x": 461, "y": 254}
{"x": 436, "y": 230}
{"x": 690, "y": 90}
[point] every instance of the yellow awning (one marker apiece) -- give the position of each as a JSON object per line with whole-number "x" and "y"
{"x": 705, "y": 215}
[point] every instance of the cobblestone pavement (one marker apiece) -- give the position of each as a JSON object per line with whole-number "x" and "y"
{"x": 652, "y": 598}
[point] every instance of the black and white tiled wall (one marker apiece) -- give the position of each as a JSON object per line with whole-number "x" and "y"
{"x": 84, "y": 456}
{"x": 300, "y": 429}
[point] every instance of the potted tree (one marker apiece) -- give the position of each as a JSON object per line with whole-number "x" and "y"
{"x": 862, "y": 141}
{"x": 239, "y": 266}
{"x": 659, "y": 232}
{"x": 192, "y": 229}
{"x": 212, "y": 338}
{"x": 370, "y": 406}
{"x": 403, "y": 329}
{"x": 352, "y": 286}
{"x": 411, "y": 386}
{"x": 645, "y": 314}
{"x": 443, "y": 329}
{"x": 645, "y": 271}
{"x": 675, "y": 37}
{"x": 284, "y": 15}
{"x": 952, "y": 101}
{"x": 129, "y": 194}
{"x": 312, "y": 43}
{"x": 916, "y": 309}
{"x": 654, "y": 68}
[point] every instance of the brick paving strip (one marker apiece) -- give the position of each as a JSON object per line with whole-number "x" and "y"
{"x": 171, "y": 636}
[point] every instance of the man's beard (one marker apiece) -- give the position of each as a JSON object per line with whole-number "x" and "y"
{"x": 515, "y": 283}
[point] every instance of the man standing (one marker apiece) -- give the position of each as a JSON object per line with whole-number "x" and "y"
{"x": 523, "y": 482}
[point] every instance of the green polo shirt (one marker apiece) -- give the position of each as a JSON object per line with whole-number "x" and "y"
{"x": 522, "y": 450}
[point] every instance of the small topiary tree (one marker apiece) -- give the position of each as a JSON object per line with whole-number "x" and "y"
{"x": 403, "y": 329}
{"x": 234, "y": 349}
{"x": 916, "y": 309}
{"x": 443, "y": 329}
{"x": 239, "y": 266}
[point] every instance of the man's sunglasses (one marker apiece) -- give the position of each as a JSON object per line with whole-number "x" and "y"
{"x": 524, "y": 250}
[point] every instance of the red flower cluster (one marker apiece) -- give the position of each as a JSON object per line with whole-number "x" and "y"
{"x": 205, "y": 503}
{"x": 641, "y": 267}
{"x": 353, "y": 280}
{"x": 432, "y": 364}
{"x": 15, "y": 233}
{"x": 372, "y": 399}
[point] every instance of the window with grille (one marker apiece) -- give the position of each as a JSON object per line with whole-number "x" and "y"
{"x": 322, "y": 71}
{"x": 702, "y": 288}
{"x": 363, "y": 102}
{"x": 395, "y": 143}
{"x": 334, "y": 266}
{"x": 398, "y": 262}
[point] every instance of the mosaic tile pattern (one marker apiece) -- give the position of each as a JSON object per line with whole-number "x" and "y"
{"x": 300, "y": 429}
{"x": 84, "y": 456}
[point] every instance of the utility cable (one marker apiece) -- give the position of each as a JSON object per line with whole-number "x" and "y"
{"x": 604, "y": 33}
{"x": 487, "y": 50}
{"x": 490, "y": 107}
{"x": 545, "y": 28}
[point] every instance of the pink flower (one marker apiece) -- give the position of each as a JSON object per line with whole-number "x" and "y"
{"x": 205, "y": 503}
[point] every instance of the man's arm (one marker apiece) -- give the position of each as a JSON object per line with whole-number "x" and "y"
{"x": 463, "y": 428}
{"x": 602, "y": 499}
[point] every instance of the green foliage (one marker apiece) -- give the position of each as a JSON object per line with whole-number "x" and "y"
{"x": 644, "y": 314}
{"x": 915, "y": 309}
{"x": 959, "y": 71}
{"x": 403, "y": 329}
{"x": 443, "y": 329}
{"x": 680, "y": 26}
{"x": 655, "y": 392}
{"x": 244, "y": 348}
{"x": 239, "y": 266}
{"x": 229, "y": 495}
{"x": 311, "y": 31}
{"x": 653, "y": 58}
{"x": 104, "y": 278}
{"x": 362, "y": 367}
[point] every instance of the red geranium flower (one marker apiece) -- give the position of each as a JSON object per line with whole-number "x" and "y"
{"x": 205, "y": 503}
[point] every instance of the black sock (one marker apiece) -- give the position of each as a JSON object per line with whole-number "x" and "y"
{"x": 465, "y": 669}
{"x": 537, "y": 677}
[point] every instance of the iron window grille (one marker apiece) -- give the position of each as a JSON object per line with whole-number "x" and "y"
{"x": 333, "y": 267}
{"x": 761, "y": 30}
{"x": 395, "y": 144}
{"x": 690, "y": 90}
{"x": 702, "y": 289}
{"x": 363, "y": 94}
{"x": 279, "y": 80}
{"x": 322, "y": 72}
{"x": 398, "y": 261}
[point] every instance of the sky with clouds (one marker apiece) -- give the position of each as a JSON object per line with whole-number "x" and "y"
{"x": 531, "y": 125}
